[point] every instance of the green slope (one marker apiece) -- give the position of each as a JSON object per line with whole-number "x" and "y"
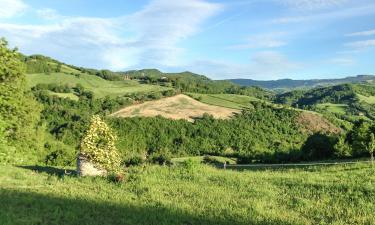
{"x": 97, "y": 85}
{"x": 190, "y": 195}
{"x": 225, "y": 100}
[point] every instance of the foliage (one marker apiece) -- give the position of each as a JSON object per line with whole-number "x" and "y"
{"x": 342, "y": 149}
{"x": 191, "y": 82}
{"x": 98, "y": 145}
{"x": 258, "y": 134}
{"x": 18, "y": 109}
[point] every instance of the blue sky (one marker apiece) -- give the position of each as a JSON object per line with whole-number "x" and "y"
{"x": 257, "y": 39}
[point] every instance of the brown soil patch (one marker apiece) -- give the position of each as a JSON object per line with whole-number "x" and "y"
{"x": 314, "y": 123}
{"x": 176, "y": 107}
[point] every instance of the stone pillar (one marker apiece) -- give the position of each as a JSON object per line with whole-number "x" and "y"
{"x": 87, "y": 168}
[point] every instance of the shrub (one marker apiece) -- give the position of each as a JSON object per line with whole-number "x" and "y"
{"x": 98, "y": 145}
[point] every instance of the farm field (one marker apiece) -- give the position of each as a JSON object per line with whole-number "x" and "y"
{"x": 97, "y": 85}
{"x": 225, "y": 100}
{"x": 333, "y": 108}
{"x": 176, "y": 107}
{"x": 190, "y": 194}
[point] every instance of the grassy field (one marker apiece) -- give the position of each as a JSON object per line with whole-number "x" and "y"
{"x": 225, "y": 100}
{"x": 176, "y": 107}
{"x": 97, "y": 85}
{"x": 369, "y": 99}
{"x": 333, "y": 108}
{"x": 190, "y": 195}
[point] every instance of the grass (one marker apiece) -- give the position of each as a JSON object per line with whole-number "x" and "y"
{"x": 190, "y": 195}
{"x": 225, "y": 100}
{"x": 333, "y": 108}
{"x": 367, "y": 99}
{"x": 97, "y": 85}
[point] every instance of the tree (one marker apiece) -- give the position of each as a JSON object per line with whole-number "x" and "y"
{"x": 371, "y": 145}
{"x": 18, "y": 108}
{"x": 98, "y": 145}
{"x": 342, "y": 148}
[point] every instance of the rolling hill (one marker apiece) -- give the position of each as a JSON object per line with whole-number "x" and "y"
{"x": 99, "y": 86}
{"x": 289, "y": 84}
{"x": 176, "y": 107}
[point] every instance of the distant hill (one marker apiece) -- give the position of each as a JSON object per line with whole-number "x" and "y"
{"x": 350, "y": 99}
{"x": 289, "y": 84}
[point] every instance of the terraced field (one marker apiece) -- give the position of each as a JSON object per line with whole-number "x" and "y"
{"x": 97, "y": 85}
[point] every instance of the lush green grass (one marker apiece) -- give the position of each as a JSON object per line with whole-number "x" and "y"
{"x": 367, "y": 99}
{"x": 333, "y": 108}
{"x": 225, "y": 100}
{"x": 97, "y": 85}
{"x": 190, "y": 195}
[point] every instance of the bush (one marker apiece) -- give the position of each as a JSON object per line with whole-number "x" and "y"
{"x": 98, "y": 145}
{"x": 162, "y": 157}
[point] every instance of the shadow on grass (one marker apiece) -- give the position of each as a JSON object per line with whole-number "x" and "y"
{"x": 32, "y": 208}
{"x": 50, "y": 170}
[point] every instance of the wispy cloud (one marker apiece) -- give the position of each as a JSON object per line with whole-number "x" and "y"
{"x": 362, "y": 33}
{"x": 267, "y": 40}
{"x": 48, "y": 14}
{"x": 262, "y": 65}
{"x": 313, "y": 4}
{"x": 11, "y": 8}
{"x": 343, "y": 61}
{"x": 348, "y": 12}
{"x": 150, "y": 36}
{"x": 361, "y": 44}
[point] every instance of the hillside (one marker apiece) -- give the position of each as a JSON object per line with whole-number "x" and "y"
{"x": 225, "y": 100}
{"x": 97, "y": 85}
{"x": 198, "y": 194}
{"x": 289, "y": 84}
{"x": 176, "y": 107}
{"x": 353, "y": 101}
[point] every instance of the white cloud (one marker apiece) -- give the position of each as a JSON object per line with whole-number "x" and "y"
{"x": 162, "y": 24}
{"x": 11, "y": 8}
{"x": 48, "y": 14}
{"x": 343, "y": 61}
{"x": 348, "y": 12}
{"x": 313, "y": 4}
{"x": 362, "y": 33}
{"x": 361, "y": 44}
{"x": 148, "y": 37}
{"x": 268, "y": 40}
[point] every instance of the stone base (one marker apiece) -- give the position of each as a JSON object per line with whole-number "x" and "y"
{"x": 87, "y": 168}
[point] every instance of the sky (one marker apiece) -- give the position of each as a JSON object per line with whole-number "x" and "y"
{"x": 222, "y": 39}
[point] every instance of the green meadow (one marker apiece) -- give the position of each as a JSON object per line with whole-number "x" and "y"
{"x": 333, "y": 108}
{"x": 97, "y": 85}
{"x": 225, "y": 100}
{"x": 367, "y": 99}
{"x": 190, "y": 193}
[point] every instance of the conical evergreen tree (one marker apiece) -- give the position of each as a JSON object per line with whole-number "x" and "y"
{"x": 98, "y": 145}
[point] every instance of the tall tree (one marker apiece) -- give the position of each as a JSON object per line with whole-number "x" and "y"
{"x": 18, "y": 109}
{"x": 371, "y": 145}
